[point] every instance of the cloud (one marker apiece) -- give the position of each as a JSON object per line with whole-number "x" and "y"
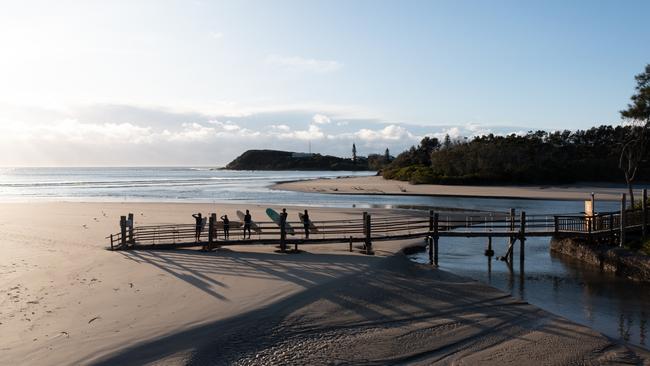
{"x": 390, "y": 132}
{"x": 321, "y": 119}
{"x": 312, "y": 133}
{"x": 304, "y": 64}
{"x": 216, "y": 35}
{"x": 120, "y": 135}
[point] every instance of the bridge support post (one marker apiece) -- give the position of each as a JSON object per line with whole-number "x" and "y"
{"x": 511, "y": 241}
{"x": 368, "y": 233}
{"x": 430, "y": 221}
{"x": 436, "y": 237}
{"x": 350, "y": 243}
{"x": 211, "y": 229}
{"x": 283, "y": 234}
{"x": 556, "y": 225}
{"x": 129, "y": 225}
{"x": 430, "y": 244}
{"x": 644, "y": 205}
{"x": 522, "y": 240}
{"x": 123, "y": 231}
{"x": 621, "y": 241}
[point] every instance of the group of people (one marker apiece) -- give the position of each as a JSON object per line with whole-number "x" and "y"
{"x": 200, "y": 223}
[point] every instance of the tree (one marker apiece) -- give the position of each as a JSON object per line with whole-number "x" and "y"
{"x": 447, "y": 142}
{"x": 637, "y": 115}
{"x": 387, "y": 156}
{"x": 354, "y": 153}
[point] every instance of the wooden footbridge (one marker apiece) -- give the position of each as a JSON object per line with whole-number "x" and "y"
{"x": 608, "y": 226}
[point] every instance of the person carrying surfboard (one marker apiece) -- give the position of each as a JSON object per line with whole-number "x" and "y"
{"x": 199, "y": 225}
{"x": 247, "y": 224}
{"x": 226, "y": 226}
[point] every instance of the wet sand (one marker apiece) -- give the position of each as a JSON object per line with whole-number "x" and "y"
{"x": 67, "y": 300}
{"x": 379, "y": 185}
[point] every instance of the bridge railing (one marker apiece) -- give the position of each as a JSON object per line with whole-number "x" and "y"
{"x": 385, "y": 227}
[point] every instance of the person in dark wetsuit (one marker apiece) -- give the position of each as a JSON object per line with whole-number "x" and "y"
{"x": 226, "y": 226}
{"x": 199, "y": 225}
{"x": 247, "y": 224}
{"x": 305, "y": 222}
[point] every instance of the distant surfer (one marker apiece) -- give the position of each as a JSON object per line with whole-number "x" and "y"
{"x": 199, "y": 225}
{"x": 247, "y": 224}
{"x": 305, "y": 223}
{"x": 226, "y": 226}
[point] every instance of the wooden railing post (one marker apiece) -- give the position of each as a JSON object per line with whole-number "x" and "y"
{"x": 522, "y": 238}
{"x": 368, "y": 234}
{"x": 365, "y": 215}
{"x": 123, "y": 231}
{"x": 622, "y": 222}
{"x": 556, "y": 224}
{"x": 430, "y": 221}
{"x": 130, "y": 224}
{"x": 112, "y": 242}
{"x": 511, "y": 239}
{"x": 283, "y": 233}
{"x": 350, "y": 243}
{"x": 211, "y": 229}
{"x": 436, "y": 236}
{"x": 644, "y": 207}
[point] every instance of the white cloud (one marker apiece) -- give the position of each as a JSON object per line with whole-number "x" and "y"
{"x": 321, "y": 119}
{"x": 390, "y": 132}
{"x": 304, "y": 64}
{"x": 312, "y": 133}
{"x": 283, "y": 128}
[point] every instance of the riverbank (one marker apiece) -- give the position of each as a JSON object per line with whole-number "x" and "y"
{"x": 379, "y": 185}
{"x": 70, "y": 301}
{"x": 620, "y": 261}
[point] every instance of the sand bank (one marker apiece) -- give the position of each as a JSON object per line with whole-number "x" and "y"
{"x": 379, "y": 185}
{"x": 66, "y": 300}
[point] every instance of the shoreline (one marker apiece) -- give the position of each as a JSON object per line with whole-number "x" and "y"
{"x": 71, "y": 301}
{"x": 377, "y": 185}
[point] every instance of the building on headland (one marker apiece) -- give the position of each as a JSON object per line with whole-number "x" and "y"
{"x": 301, "y": 155}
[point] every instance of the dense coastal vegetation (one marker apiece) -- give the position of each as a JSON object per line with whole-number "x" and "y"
{"x": 537, "y": 157}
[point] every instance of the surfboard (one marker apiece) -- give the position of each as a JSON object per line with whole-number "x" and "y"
{"x": 276, "y": 218}
{"x": 254, "y": 226}
{"x": 312, "y": 227}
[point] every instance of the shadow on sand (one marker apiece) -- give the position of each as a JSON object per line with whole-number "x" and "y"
{"x": 393, "y": 311}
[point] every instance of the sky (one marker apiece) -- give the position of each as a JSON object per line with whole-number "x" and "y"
{"x": 122, "y": 83}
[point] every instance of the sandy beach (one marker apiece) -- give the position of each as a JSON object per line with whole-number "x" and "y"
{"x": 67, "y": 300}
{"x": 379, "y": 185}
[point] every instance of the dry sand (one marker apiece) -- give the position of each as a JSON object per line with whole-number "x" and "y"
{"x": 379, "y": 185}
{"x": 67, "y": 300}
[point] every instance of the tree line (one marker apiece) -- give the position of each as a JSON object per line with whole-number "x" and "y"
{"x": 604, "y": 153}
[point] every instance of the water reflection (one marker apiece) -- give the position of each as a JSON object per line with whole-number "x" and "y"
{"x": 561, "y": 285}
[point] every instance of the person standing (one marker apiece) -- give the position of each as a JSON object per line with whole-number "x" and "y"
{"x": 305, "y": 223}
{"x": 247, "y": 224}
{"x": 199, "y": 226}
{"x": 226, "y": 227}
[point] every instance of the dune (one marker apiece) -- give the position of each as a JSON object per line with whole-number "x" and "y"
{"x": 67, "y": 300}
